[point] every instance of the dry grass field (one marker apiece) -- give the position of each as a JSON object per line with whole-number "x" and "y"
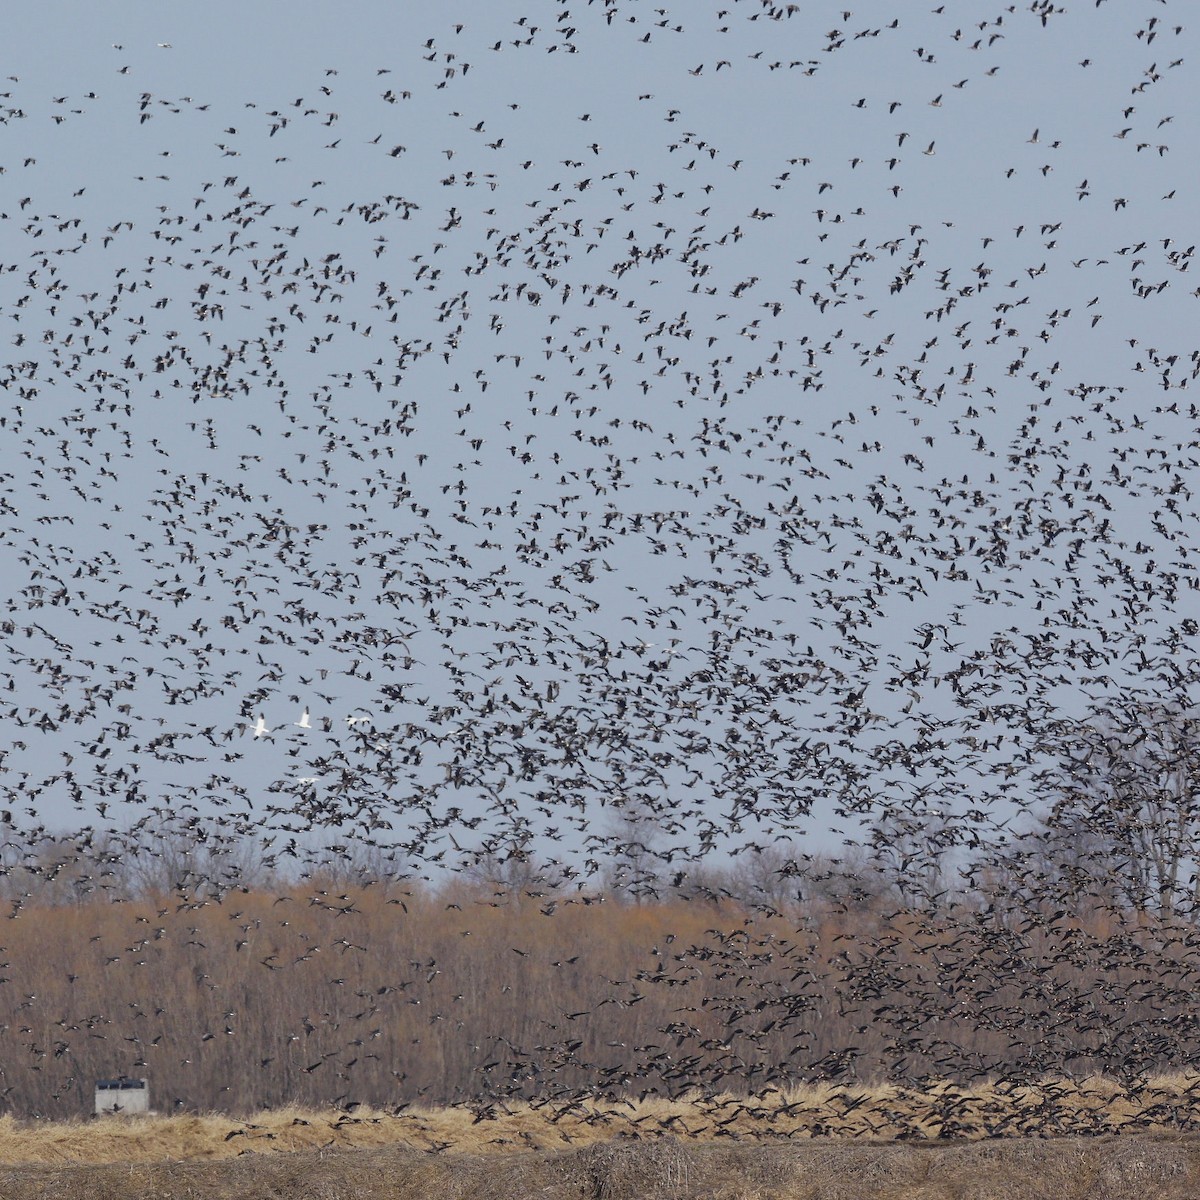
{"x": 1058, "y": 1139}
{"x": 1137, "y": 1167}
{"x": 939, "y": 1113}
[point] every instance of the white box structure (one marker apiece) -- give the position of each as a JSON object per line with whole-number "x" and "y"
{"x": 123, "y": 1096}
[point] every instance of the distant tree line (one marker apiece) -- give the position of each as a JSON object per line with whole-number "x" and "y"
{"x": 330, "y": 993}
{"x": 1070, "y": 946}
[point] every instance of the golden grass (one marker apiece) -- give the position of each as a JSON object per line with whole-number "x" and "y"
{"x": 939, "y": 1112}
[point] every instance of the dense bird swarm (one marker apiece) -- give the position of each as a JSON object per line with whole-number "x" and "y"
{"x": 602, "y": 550}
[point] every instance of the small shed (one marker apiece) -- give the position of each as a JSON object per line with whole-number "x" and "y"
{"x": 123, "y": 1095}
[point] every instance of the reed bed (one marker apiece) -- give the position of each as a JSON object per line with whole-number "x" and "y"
{"x": 939, "y": 1111}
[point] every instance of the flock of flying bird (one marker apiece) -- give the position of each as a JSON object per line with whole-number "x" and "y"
{"x": 614, "y": 436}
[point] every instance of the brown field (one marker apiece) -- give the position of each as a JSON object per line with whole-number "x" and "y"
{"x": 1057, "y": 1139}
{"x": 1137, "y": 1167}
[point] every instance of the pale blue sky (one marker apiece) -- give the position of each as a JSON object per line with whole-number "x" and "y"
{"x": 812, "y": 292}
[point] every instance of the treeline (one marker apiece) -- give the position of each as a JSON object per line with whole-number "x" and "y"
{"x": 330, "y": 990}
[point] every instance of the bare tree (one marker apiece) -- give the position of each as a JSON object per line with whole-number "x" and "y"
{"x": 1063, "y": 855}
{"x": 910, "y": 848}
{"x": 1127, "y": 779}
{"x": 185, "y": 858}
{"x": 767, "y": 877}
{"x": 633, "y": 870}
{"x": 508, "y": 869}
